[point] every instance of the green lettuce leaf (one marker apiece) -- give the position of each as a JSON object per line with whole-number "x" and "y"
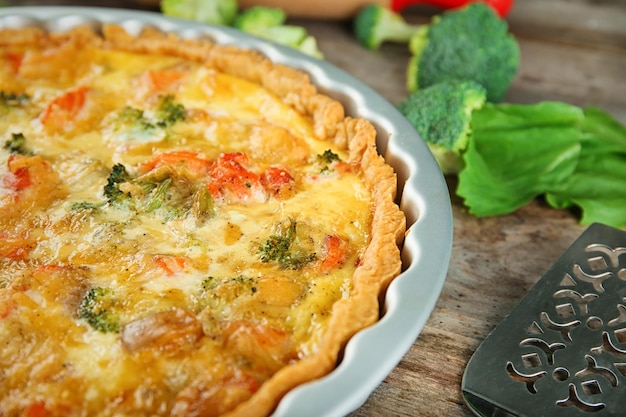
{"x": 518, "y": 152}
{"x": 598, "y": 185}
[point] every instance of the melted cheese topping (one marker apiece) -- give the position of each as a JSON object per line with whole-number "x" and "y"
{"x": 171, "y": 236}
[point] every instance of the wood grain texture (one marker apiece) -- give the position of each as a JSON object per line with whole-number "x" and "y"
{"x": 573, "y": 51}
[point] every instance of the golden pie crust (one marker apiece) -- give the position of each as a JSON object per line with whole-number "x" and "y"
{"x": 377, "y": 262}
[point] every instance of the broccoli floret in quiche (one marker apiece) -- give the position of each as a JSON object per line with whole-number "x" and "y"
{"x": 173, "y": 194}
{"x": 326, "y": 159}
{"x": 285, "y": 248}
{"x": 85, "y": 205}
{"x": 164, "y": 191}
{"x": 17, "y": 145}
{"x": 135, "y": 123}
{"x": 13, "y": 99}
{"x": 169, "y": 112}
{"x": 133, "y": 118}
{"x": 112, "y": 191}
{"x": 99, "y": 308}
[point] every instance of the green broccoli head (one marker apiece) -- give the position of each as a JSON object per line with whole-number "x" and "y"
{"x": 442, "y": 115}
{"x": 218, "y": 12}
{"x": 269, "y": 23}
{"x": 375, "y": 24}
{"x": 98, "y": 308}
{"x": 471, "y": 43}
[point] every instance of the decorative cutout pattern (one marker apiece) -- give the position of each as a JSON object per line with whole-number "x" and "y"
{"x": 579, "y": 336}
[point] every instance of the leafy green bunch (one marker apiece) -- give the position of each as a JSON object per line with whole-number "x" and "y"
{"x": 506, "y": 155}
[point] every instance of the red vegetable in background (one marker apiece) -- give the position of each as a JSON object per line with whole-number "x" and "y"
{"x": 500, "y": 6}
{"x": 347, "y": 9}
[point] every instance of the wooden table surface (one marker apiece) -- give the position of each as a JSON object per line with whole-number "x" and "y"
{"x": 573, "y": 51}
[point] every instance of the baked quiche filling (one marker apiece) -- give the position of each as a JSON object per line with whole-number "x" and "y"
{"x": 186, "y": 229}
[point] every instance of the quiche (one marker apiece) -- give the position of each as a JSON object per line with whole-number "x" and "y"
{"x": 186, "y": 228}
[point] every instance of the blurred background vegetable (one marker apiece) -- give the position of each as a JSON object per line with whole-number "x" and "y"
{"x": 269, "y": 23}
{"x": 375, "y": 24}
{"x": 218, "y": 12}
{"x": 347, "y": 9}
{"x": 263, "y": 21}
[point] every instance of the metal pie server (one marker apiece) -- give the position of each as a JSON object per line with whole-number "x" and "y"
{"x": 562, "y": 350}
